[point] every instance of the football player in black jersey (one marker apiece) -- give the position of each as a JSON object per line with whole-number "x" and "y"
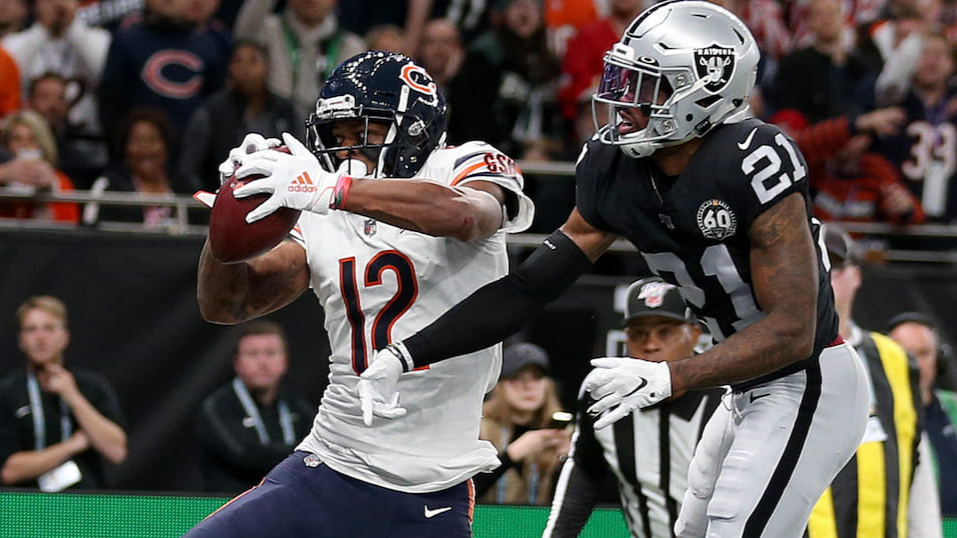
{"x": 717, "y": 205}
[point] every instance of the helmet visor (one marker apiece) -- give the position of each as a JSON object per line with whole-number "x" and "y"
{"x": 632, "y": 87}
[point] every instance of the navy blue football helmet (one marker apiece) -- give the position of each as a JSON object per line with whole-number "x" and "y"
{"x": 383, "y": 87}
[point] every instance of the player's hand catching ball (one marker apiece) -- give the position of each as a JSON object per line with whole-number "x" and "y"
{"x": 252, "y": 143}
{"x": 295, "y": 180}
{"x": 622, "y": 384}
{"x": 377, "y": 384}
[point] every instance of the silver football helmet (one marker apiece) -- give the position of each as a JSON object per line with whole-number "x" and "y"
{"x": 686, "y": 65}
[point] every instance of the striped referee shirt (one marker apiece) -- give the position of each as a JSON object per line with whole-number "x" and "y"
{"x": 649, "y": 453}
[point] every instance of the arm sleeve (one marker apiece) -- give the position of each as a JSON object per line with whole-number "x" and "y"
{"x": 484, "y": 481}
{"x": 504, "y": 306}
{"x": 9, "y": 436}
{"x": 579, "y": 485}
{"x": 102, "y": 396}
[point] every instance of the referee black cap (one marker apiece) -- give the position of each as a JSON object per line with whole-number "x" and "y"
{"x": 841, "y": 249}
{"x": 653, "y": 296}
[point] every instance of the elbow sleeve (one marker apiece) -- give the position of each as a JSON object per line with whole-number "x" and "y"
{"x": 504, "y": 306}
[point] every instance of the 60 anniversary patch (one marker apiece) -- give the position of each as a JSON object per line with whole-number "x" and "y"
{"x": 716, "y": 220}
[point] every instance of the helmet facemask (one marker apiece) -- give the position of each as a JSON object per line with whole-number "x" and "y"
{"x": 324, "y": 141}
{"x": 642, "y": 88}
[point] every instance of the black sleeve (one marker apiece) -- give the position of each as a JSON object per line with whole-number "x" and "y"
{"x": 484, "y": 481}
{"x": 98, "y": 391}
{"x": 9, "y": 434}
{"x": 504, "y": 306}
{"x": 219, "y": 441}
{"x": 580, "y": 485}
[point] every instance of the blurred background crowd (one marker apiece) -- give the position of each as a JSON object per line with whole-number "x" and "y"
{"x": 149, "y": 95}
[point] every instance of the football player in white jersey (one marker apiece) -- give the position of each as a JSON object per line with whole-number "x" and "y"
{"x": 399, "y": 228}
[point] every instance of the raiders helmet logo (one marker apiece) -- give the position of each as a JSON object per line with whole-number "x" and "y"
{"x": 716, "y": 220}
{"x": 654, "y": 293}
{"x": 714, "y": 64}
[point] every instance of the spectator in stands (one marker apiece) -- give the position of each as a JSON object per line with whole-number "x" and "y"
{"x": 582, "y": 65}
{"x": 304, "y": 41}
{"x": 82, "y": 156}
{"x": 924, "y": 147}
{"x": 471, "y": 17}
{"x": 506, "y": 91}
{"x": 917, "y": 333}
{"x": 891, "y": 462}
{"x": 387, "y": 37}
{"x": 60, "y": 42}
{"x": 848, "y": 181}
{"x": 892, "y": 46}
{"x": 652, "y": 477}
{"x": 564, "y": 18}
{"x": 13, "y": 14}
{"x": 441, "y": 52}
{"x": 245, "y": 106}
{"x": 170, "y": 61}
{"x": 26, "y": 135}
{"x": 820, "y": 80}
{"x": 58, "y": 426}
{"x": 145, "y": 140}
{"x": 518, "y": 421}
{"x": 249, "y": 425}
{"x": 9, "y": 83}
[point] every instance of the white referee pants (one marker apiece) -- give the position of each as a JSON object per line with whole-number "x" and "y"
{"x": 768, "y": 453}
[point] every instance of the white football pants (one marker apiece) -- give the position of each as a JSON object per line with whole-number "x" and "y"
{"x": 768, "y": 453}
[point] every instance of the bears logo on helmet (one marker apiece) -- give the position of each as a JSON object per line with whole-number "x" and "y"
{"x": 387, "y": 88}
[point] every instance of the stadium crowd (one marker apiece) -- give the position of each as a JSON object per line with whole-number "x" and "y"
{"x": 147, "y": 95}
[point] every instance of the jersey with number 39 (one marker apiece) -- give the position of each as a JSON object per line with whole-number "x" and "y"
{"x": 378, "y": 284}
{"x": 693, "y": 230}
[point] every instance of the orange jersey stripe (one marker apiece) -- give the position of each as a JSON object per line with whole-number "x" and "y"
{"x": 466, "y": 172}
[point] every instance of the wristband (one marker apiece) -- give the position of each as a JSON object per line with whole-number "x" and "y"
{"x": 341, "y": 192}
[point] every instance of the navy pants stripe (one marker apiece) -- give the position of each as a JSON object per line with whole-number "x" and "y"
{"x": 295, "y": 500}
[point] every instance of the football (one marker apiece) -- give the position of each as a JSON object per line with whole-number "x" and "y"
{"x": 231, "y": 238}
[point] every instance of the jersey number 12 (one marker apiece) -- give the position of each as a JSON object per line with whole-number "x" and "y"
{"x": 407, "y": 289}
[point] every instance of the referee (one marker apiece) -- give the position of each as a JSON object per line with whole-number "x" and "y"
{"x": 886, "y": 490}
{"x": 648, "y": 452}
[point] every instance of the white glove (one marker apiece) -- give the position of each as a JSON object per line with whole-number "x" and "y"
{"x": 623, "y": 384}
{"x": 251, "y": 144}
{"x": 295, "y": 180}
{"x": 376, "y": 387}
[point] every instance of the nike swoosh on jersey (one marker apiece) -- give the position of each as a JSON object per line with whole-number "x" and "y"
{"x": 747, "y": 141}
{"x": 429, "y": 514}
{"x": 758, "y": 396}
{"x": 23, "y": 411}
